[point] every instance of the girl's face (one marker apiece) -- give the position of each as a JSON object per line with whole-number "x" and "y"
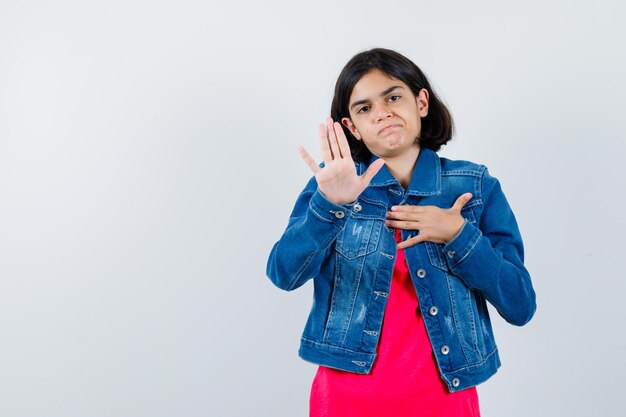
{"x": 385, "y": 114}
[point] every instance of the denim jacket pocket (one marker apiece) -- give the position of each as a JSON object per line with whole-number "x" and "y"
{"x": 435, "y": 250}
{"x": 359, "y": 237}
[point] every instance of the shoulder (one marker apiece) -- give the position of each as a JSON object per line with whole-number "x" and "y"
{"x": 461, "y": 167}
{"x": 451, "y": 167}
{"x": 484, "y": 181}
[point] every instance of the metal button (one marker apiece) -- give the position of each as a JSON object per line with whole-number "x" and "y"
{"x": 433, "y": 311}
{"x": 421, "y": 273}
{"x": 339, "y": 214}
{"x": 456, "y": 382}
{"x": 445, "y": 349}
{"x": 357, "y": 207}
{"x": 450, "y": 254}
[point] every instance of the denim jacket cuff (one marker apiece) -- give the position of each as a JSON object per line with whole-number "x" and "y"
{"x": 462, "y": 244}
{"x": 328, "y": 211}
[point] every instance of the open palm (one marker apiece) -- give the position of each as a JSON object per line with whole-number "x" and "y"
{"x": 338, "y": 180}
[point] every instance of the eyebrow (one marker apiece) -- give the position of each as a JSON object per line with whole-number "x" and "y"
{"x": 387, "y": 91}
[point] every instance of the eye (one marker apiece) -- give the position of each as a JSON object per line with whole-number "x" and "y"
{"x": 394, "y": 98}
{"x": 364, "y": 107}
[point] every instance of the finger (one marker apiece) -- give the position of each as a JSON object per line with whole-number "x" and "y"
{"x": 307, "y": 158}
{"x": 461, "y": 201}
{"x": 406, "y": 208}
{"x": 326, "y": 155}
{"x": 332, "y": 139}
{"x": 405, "y": 215}
{"x": 401, "y": 224}
{"x": 344, "y": 147}
{"x": 411, "y": 241}
{"x": 371, "y": 171}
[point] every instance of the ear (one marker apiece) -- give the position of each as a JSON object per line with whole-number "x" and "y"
{"x": 422, "y": 102}
{"x": 348, "y": 123}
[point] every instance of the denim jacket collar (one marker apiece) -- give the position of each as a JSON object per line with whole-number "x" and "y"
{"x": 426, "y": 177}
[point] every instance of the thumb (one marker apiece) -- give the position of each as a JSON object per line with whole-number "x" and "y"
{"x": 372, "y": 170}
{"x": 461, "y": 201}
{"x": 308, "y": 160}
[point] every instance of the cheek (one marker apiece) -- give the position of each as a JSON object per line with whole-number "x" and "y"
{"x": 359, "y": 127}
{"x": 417, "y": 122}
{"x": 366, "y": 132}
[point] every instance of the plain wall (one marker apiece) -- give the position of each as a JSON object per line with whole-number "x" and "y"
{"x": 148, "y": 164}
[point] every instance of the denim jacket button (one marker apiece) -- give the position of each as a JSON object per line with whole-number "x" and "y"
{"x": 339, "y": 214}
{"x": 421, "y": 273}
{"x": 456, "y": 382}
{"x": 445, "y": 349}
{"x": 357, "y": 207}
{"x": 450, "y": 254}
{"x": 433, "y": 311}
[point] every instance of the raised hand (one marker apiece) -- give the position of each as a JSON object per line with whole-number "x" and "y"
{"x": 434, "y": 223}
{"x": 338, "y": 180}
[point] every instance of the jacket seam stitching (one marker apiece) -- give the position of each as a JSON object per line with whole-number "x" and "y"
{"x": 319, "y": 216}
{"x": 336, "y": 347}
{"x": 463, "y": 172}
{"x": 474, "y": 365}
{"x": 470, "y": 249}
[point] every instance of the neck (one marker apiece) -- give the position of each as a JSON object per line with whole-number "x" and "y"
{"x": 401, "y": 166}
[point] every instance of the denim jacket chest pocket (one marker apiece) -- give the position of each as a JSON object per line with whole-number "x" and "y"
{"x": 361, "y": 233}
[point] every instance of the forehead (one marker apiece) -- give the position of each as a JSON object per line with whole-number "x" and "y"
{"x": 372, "y": 84}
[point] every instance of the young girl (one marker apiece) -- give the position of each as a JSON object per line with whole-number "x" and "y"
{"x": 404, "y": 248}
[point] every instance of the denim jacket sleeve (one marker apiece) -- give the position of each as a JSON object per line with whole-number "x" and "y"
{"x": 490, "y": 257}
{"x": 305, "y": 244}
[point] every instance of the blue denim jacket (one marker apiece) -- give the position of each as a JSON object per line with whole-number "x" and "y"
{"x": 350, "y": 254}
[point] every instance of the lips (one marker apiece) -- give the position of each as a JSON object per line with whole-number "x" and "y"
{"x": 386, "y": 129}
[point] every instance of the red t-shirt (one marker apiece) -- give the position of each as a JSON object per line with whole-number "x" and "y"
{"x": 404, "y": 381}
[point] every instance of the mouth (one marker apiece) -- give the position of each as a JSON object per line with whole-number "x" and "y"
{"x": 387, "y": 129}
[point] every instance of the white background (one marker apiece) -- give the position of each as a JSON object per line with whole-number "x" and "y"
{"x": 148, "y": 164}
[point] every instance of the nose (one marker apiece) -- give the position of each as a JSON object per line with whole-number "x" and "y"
{"x": 382, "y": 112}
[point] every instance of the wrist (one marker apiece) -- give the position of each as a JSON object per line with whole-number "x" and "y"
{"x": 457, "y": 231}
{"x": 339, "y": 202}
